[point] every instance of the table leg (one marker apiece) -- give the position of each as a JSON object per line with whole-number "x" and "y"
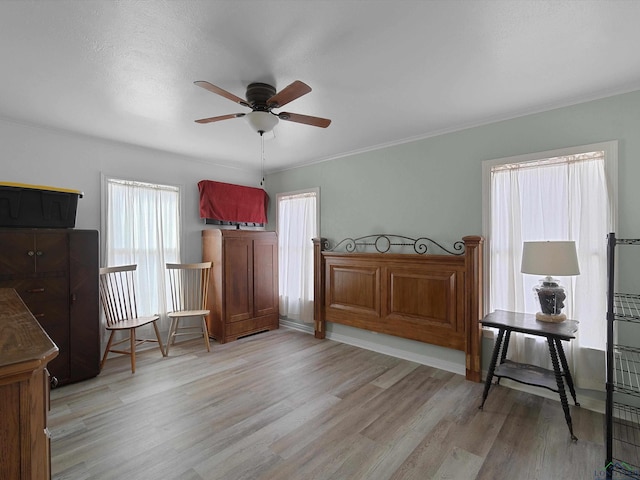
{"x": 505, "y": 346}
{"x": 505, "y": 349}
{"x": 492, "y": 367}
{"x": 567, "y": 372}
{"x": 560, "y": 383}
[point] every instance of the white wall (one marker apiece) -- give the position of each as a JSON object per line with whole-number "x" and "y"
{"x": 41, "y": 156}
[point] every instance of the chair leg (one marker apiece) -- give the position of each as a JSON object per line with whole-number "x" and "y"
{"x": 172, "y": 334}
{"x": 205, "y": 333}
{"x": 155, "y": 327}
{"x": 132, "y": 337}
{"x": 106, "y": 352}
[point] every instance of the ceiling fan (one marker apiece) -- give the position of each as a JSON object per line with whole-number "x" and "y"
{"x": 262, "y": 98}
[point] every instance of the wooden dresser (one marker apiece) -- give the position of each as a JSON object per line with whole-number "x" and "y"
{"x": 55, "y": 272}
{"x": 25, "y": 350}
{"x": 243, "y": 288}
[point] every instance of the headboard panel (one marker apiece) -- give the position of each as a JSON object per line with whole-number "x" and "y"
{"x": 435, "y": 299}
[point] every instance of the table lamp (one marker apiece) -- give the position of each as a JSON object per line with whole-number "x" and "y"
{"x": 550, "y": 258}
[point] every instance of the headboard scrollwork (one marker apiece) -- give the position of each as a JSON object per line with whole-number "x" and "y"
{"x": 385, "y": 242}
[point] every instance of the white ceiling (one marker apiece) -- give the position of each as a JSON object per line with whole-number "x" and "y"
{"x": 384, "y": 71}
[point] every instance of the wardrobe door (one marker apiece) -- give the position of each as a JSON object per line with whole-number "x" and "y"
{"x": 238, "y": 278}
{"x": 84, "y": 313}
{"x": 265, "y": 275}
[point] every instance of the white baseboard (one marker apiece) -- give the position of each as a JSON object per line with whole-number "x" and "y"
{"x": 380, "y": 348}
{"x": 301, "y": 327}
{"x": 399, "y": 353}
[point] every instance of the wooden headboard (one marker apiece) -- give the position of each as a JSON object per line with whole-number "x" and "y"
{"x": 432, "y": 298}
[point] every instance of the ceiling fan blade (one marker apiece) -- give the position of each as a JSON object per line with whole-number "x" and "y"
{"x": 221, "y": 117}
{"x": 306, "y": 119}
{"x": 214, "y": 89}
{"x": 288, "y": 94}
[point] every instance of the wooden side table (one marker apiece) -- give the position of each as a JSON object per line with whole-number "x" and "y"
{"x": 554, "y": 380}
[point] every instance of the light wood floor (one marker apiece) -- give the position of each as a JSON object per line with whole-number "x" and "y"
{"x": 282, "y": 405}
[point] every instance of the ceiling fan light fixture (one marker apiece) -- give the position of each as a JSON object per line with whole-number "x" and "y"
{"x": 261, "y": 99}
{"x": 261, "y": 122}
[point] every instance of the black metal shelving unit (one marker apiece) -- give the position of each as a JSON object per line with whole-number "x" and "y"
{"x": 622, "y": 414}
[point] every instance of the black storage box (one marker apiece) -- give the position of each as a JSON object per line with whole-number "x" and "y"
{"x": 35, "y": 206}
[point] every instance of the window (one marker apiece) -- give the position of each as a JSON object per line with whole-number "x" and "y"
{"x": 142, "y": 226}
{"x": 297, "y": 224}
{"x": 561, "y": 195}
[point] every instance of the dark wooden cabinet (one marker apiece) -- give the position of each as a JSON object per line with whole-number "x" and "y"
{"x": 55, "y": 272}
{"x": 243, "y": 288}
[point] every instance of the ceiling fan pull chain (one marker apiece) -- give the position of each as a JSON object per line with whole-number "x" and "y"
{"x": 262, "y": 157}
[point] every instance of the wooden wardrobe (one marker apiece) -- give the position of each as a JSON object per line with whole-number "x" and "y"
{"x": 243, "y": 287}
{"x": 55, "y": 272}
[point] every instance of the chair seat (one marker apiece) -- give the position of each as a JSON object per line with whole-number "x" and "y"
{"x": 187, "y": 313}
{"x": 133, "y": 323}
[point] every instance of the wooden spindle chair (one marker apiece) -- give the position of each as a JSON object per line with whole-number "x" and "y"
{"x": 118, "y": 298}
{"x": 188, "y": 288}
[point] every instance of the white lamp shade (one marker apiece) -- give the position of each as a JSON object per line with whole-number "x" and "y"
{"x": 261, "y": 122}
{"x": 550, "y": 258}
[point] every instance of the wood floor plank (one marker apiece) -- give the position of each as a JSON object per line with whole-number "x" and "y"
{"x": 395, "y": 374}
{"x": 320, "y": 461}
{"x": 459, "y": 464}
{"x": 510, "y": 455}
{"x": 398, "y": 405}
{"x": 342, "y": 419}
{"x": 285, "y": 405}
{"x": 425, "y": 460}
{"x": 389, "y": 455}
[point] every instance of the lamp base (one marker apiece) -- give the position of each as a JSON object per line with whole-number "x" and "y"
{"x": 545, "y": 317}
{"x": 551, "y": 297}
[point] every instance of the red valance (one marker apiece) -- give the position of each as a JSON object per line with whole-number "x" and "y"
{"x": 232, "y": 203}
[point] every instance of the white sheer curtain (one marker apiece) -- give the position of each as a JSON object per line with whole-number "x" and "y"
{"x": 297, "y": 226}
{"x": 564, "y": 198}
{"x": 143, "y": 227}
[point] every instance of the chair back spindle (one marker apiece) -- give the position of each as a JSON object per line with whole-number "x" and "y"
{"x": 118, "y": 293}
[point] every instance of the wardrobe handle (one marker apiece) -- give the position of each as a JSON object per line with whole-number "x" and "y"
{"x": 36, "y": 290}
{"x": 31, "y": 253}
{"x": 39, "y": 253}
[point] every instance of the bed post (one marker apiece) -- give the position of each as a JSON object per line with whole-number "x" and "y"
{"x": 473, "y": 268}
{"x": 318, "y": 287}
